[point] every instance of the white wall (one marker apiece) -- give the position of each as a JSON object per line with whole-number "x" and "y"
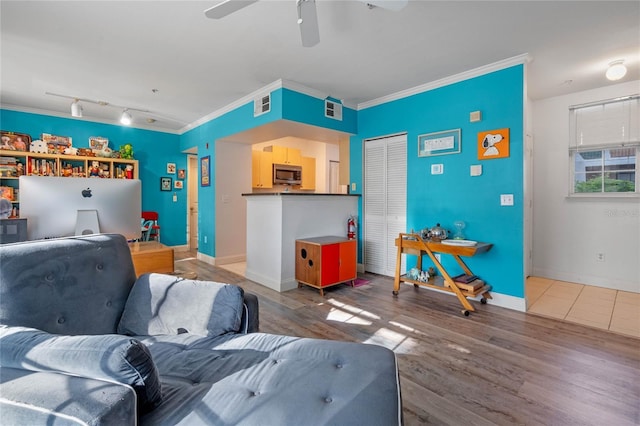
{"x": 232, "y": 178}
{"x": 569, "y": 232}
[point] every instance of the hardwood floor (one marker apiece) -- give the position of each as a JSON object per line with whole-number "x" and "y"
{"x": 497, "y": 366}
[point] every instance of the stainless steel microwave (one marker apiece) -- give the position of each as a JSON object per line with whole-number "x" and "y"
{"x": 286, "y": 174}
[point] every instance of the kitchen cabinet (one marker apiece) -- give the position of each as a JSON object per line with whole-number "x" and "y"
{"x": 261, "y": 169}
{"x": 283, "y": 155}
{"x": 322, "y": 262}
{"x": 14, "y": 164}
{"x": 308, "y": 173}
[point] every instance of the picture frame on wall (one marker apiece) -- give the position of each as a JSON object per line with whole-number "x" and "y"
{"x": 178, "y": 184}
{"x": 493, "y": 144}
{"x": 165, "y": 183}
{"x": 439, "y": 143}
{"x": 182, "y": 173}
{"x": 205, "y": 171}
{"x": 171, "y": 168}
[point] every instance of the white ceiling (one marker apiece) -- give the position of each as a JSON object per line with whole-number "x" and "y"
{"x": 118, "y": 51}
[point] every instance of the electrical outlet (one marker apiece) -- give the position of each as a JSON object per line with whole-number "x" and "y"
{"x": 353, "y": 187}
{"x": 600, "y": 257}
{"x": 506, "y": 199}
{"x": 205, "y": 239}
{"x": 438, "y": 257}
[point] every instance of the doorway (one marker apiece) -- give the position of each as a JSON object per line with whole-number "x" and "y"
{"x": 334, "y": 175}
{"x": 385, "y": 201}
{"x": 192, "y": 202}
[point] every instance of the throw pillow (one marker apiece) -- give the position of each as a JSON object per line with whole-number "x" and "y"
{"x": 109, "y": 357}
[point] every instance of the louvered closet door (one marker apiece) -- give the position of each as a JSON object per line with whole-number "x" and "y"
{"x": 385, "y": 201}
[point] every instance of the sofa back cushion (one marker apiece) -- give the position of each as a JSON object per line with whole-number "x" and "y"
{"x": 109, "y": 357}
{"x": 163, "y": 304}
{"x": 76, "y": 285}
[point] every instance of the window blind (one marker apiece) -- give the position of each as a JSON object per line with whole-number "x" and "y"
{"x": 603, "y": 124}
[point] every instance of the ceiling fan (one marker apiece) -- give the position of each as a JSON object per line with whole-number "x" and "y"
{"x": 307, "y": 16}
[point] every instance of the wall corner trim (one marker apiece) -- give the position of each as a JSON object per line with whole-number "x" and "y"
{"x": 476, "y": 72}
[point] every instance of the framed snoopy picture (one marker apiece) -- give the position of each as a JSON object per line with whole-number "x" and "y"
{"x": 493, "y": 144}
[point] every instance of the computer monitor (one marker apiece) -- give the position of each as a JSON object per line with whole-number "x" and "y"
{"x": 65, "y": 206}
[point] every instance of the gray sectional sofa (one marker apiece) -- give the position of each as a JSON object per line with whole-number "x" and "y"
{"x": 82, "y": 341}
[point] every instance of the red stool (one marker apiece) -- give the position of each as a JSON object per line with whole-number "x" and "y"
{"x": 154, "y": 232}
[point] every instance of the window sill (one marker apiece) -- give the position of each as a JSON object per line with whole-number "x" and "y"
{"x": 604, "y": 196}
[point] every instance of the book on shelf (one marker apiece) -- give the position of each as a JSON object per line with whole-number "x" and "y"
{"x": 464, "y": 278}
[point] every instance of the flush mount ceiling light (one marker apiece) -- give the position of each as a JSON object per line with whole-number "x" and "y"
{"x": 126, "y": 118}
{"x": 76, "y": 108}
{"x": 616, "y": 70}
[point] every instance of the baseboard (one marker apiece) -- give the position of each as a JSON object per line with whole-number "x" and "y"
{"x": 206, "y": 258}
{"x": 598, "y": 281}
{"x": 498, "y": 299}
{"x": 181, "y": 248}
{"x": 231, "y": 259}
{"x": 262, "y": 280}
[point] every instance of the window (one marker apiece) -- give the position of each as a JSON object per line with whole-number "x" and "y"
{"x": 604, "y": 148}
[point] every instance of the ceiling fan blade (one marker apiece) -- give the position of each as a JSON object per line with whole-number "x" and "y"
{"x": 226, "y": 7}
{"x": 308, "y": 22}
{"x": 394, "y": 5}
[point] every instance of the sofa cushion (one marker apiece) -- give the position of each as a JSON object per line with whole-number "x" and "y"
{"x": 164, "y": 304}
{"x": 46, "y": 398}
{"x": 112, "y": 358}
{"x": 268, "y": 379}
{"x": 76, "y": 285}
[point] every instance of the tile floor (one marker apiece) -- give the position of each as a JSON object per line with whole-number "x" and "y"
{"x": 613, "y": 310}
{"x": 236, "y": 268}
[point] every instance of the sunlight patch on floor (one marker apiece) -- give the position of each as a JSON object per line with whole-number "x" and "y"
{"x": 353, "y": 309}
{"x": 397, "y": 342}
{"x": 339, "y": 315}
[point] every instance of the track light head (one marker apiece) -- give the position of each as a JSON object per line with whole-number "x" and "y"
{"x": 126, "y": 118}
{"x": 76, "y": 108}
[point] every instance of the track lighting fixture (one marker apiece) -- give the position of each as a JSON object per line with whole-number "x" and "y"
{"x": 126, "y": 117}
{"x": 616, "y": 70}
{"x": 76, "y": 108}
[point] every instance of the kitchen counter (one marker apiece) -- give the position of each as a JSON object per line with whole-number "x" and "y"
{"x": 275, "y": 220}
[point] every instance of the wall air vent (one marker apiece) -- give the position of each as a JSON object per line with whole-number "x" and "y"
{"x": 262, "y": 105}
{"x": 333, "y": 110}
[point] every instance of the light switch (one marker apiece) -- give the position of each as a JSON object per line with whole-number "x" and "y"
{"x": 476, "y": 170}
{"x": 353, "y": 187}
{"x": 175, "y": 197}
{"x": 437, "y": 169}
{"x": 506, "y": 199}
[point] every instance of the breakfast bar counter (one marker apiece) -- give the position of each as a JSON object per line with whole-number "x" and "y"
{"x": 276, "y": 220}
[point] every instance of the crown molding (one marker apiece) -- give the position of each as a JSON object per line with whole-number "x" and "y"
{"x": 456, "y": 78}
{"x": 50, "y": 113}
{"x": 233, "y": 105}
{"x": 297, "y": 87}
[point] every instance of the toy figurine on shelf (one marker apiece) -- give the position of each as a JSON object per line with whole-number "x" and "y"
{"x": 94, "y": 171}
{"x": 129, "y": 171}
{"x": 19, "y": 169}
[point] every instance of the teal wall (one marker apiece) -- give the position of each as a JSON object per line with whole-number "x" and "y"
{"x": 152, "y": 149}
{"x": 455, "y": 195}
{"x": 309, "y": 110}
{"x": 285, "y": 104}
